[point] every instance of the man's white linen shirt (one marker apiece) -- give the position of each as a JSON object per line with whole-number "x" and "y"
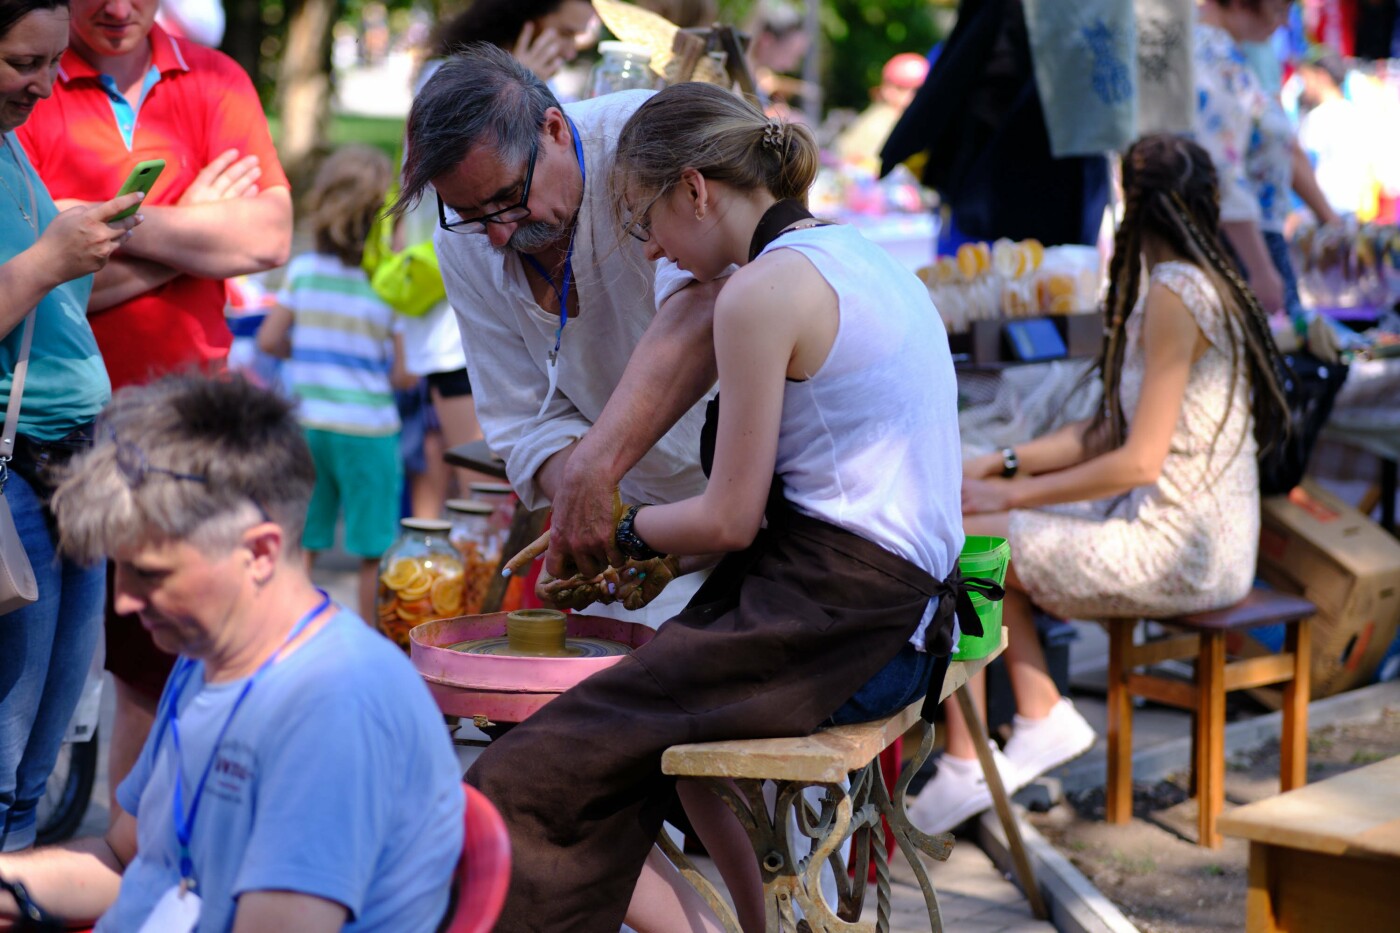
{"x": 508, "y": 336}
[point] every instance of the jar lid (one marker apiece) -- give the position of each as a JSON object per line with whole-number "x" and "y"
{"x": 492, "y": 489}
{"x": 470, "y": 507}
{"x": 425, "y": 524}
{"x": 625, "y": 48}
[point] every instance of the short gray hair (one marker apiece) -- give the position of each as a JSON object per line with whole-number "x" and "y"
{"x": 242, "y": 441}
{"x": 480, "y": 95}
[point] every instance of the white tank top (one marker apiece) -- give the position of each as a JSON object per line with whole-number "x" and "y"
{"x": 870, "y": 443}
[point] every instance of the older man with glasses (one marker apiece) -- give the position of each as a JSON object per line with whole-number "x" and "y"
{"x": 587, "y": 360}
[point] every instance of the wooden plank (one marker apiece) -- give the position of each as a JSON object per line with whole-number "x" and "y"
{"x": 1293, "y": 736}
{"x": 1164, "y": 649}
{"x": 826, "y": 757}
{"x": 1259, "y": 898}
{"x": 1322, "y": 892}
{"x": 1356, "y": 813}
{"x": 1210, "y": 738}
{"x": 1256, "y": 672}
{"x": 1119, "y": 792}
{"x": 1178, "y": 693}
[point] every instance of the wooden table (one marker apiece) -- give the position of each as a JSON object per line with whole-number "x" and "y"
{"x": 1325, "y": 856}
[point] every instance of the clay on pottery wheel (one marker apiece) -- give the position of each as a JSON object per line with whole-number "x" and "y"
{"x": 539, "y": 633}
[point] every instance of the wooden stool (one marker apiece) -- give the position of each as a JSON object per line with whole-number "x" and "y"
{"x": 844, "y": 762}
{"x": 1205, "y": 695}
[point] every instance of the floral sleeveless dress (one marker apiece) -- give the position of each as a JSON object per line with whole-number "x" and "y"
{"x": 1185, "y": 543}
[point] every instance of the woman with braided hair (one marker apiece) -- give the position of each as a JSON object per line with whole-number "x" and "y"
{"x": 1150, "y": 508}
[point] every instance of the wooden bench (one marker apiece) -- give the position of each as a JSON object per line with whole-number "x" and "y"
{"x": 1326, "y": 856}
{"x": 736, "y": 772}
{"x": 1204, "y": 639}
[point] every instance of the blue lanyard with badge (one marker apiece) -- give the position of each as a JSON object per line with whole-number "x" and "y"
{"x": 178, "y": 909}
{"x": 562, "y": 291}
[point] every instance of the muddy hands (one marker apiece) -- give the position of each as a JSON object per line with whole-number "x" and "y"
{"x": 634, "y": 585}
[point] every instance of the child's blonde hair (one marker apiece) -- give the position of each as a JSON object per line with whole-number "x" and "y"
{"x": 345, "y": 199}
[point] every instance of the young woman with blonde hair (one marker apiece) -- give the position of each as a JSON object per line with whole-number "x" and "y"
{"x": 838, "y": 428}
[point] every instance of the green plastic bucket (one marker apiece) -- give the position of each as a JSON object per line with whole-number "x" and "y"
{"x": 986, "y": 557}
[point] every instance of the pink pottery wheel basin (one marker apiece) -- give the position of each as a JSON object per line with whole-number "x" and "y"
{"x": 506, "y": 689}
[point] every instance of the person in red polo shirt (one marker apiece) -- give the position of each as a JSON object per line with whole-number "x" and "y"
{"x": 128, "y": 91}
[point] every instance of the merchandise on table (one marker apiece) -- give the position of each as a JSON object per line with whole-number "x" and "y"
{"x": 1348, "y": 266}
{"x": 501, "y": 498}
{"x": 420, "y": 578}
{"x": 1013, "y": 280}
{"x": 478, "y": 541}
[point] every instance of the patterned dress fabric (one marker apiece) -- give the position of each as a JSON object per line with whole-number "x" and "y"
{"x": 1187, "y": 542}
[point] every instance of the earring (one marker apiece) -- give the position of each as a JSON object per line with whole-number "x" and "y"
{"x": 699, "y": 213}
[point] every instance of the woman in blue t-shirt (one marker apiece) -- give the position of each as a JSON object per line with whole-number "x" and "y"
{"x": 46, "y": 264}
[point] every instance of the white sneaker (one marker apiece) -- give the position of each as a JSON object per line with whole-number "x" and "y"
{"x": 957, "y": 793}
{"x": 1037, "y": 745}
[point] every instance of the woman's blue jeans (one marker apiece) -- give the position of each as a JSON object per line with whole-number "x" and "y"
{"x": 45, "y": 650}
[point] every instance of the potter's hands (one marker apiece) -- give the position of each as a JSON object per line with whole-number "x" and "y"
{"x": 584, "y": 529}
{"x": 634, "y": 584}
{"x": 987, "y": 495}
{"x": 643, "y": 580}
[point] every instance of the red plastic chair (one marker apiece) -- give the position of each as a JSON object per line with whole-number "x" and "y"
{"x": 483, "y": 873}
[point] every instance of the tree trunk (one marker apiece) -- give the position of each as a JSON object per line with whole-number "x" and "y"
{"x": 243, "y": 34}
{"x": 304, "y": 85}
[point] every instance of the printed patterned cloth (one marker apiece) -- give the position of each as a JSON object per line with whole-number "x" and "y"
{"x": 1185, "y": 543}
{"x": 1085, "y": 58}
{"x": 1245, "y": 130}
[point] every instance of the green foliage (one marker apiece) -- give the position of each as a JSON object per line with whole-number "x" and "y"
{"x": 858, "y": 37}
{"x": 862, "y": 35}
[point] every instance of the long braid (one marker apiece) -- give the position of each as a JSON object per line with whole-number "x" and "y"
{"x": 1272, "y": 421}
{"x": 1106, "y": 430}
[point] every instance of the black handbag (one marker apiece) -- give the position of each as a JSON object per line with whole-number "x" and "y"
{"x": 1310, "y": 386}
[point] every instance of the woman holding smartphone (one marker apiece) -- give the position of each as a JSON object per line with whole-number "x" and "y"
{"x": 47, "y": 260}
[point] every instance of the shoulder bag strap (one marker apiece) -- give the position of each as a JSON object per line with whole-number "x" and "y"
{"x": 7, "y": 440}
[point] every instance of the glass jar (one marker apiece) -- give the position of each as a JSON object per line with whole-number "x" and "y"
{"x": 479, "y": 544}
{"x": 501, "y": 498}
{"x": 622, "y": 67}
{"x": 420, "y": 578}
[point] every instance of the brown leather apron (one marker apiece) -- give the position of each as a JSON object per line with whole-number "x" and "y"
{"x": 778, "y": 638}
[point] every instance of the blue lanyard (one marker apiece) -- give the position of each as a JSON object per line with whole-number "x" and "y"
{"x": 184, "y": 822}
{"x": 563, "y": 290}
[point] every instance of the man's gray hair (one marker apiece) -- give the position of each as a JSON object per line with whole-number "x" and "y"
{"x": 479, "y": 95}
{"x": 237, "y": 448}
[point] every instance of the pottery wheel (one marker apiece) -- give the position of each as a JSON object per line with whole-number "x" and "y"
{"x": 573, "y": 648}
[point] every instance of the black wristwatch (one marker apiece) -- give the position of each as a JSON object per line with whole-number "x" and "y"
{"x": 628, "y": 541}
{"x": 1010, "y": 463}
{"x": 31, "y": 916}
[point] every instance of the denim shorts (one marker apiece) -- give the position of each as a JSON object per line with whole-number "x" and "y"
{"x": 894, "y": 686}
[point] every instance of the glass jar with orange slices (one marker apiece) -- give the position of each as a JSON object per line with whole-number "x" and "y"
{"x": 420, "y": 578}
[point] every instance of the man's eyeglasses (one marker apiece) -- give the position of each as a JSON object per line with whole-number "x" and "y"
{"x": 506, "y": 215}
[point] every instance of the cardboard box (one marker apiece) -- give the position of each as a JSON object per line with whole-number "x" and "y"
{"x": 1314, "y": 544}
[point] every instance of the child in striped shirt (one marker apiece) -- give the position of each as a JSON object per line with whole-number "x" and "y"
{"x": 345, "y": 358}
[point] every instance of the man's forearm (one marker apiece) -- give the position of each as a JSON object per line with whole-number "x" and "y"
{"x": 549, "y": 478}
{"x": 76, "y": 881}
{"x": 218, "y": 239}
{"x": 124, "y": 278}
{"x": 672, "y": 368}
